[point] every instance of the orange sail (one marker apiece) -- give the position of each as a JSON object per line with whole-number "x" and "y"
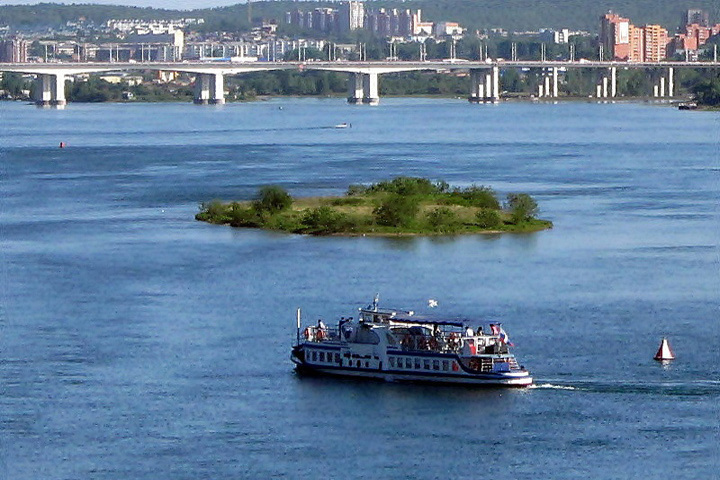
{"x": 664, "y": 352}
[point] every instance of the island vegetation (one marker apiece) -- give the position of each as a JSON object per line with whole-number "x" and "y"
{"x": 403, "y": 206}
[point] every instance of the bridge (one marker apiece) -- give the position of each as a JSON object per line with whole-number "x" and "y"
{"x": 362, "y": 75}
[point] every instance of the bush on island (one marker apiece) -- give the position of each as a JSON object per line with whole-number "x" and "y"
{"x": 474, "y": 196}
{"x": 272, "y": 199}
{"x": 244, "y": 217}
{"x": 397, "y": 211}
{"x": 407, "y": 186}
{"x": 522, "y": 207}
{"x": 213, "y": 212}
{"x": 323, "y": 221}
{"x": 442, "y": 219}
{"x": 488, "y": 218}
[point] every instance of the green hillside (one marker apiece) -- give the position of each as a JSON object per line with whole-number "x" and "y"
{"x": 507, "y": 14}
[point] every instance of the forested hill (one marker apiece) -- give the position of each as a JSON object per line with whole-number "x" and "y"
{"x": 508, "y": 14}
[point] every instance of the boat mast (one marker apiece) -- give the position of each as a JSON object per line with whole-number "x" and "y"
{"x": 298, "y": 327}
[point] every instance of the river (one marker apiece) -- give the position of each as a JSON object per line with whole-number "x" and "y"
{"x": 139, "y": 343}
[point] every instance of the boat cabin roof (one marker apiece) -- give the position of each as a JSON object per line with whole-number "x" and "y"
{"x": 400, "y": 316}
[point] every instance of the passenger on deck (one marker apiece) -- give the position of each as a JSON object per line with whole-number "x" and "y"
{"x": 469, "y": 332}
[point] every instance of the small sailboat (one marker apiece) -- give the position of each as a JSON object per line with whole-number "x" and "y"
{"x": 664, "y": 353}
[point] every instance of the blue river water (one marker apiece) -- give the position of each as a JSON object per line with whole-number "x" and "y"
{"x": 138, "y": 343}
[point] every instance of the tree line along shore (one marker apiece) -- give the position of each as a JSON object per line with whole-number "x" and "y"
{"x": 402, "y": 206}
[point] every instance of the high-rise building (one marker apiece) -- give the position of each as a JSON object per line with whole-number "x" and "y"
{"x": 655, "y": 40}
{"x": 624, "y": 41}
{"x": 615, "y": 36}
{"x": 14, "y": 50}
{"x": 351, "y": 16}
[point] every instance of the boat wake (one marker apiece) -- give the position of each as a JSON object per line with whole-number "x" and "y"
{"x": 551, "y": 386}
{"x": 686, "y": 388}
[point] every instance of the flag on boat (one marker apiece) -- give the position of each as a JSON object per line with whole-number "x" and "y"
{"x": 497, "y": 329}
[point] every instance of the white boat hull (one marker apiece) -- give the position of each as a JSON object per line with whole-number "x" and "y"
{"x": 518, "y": 378}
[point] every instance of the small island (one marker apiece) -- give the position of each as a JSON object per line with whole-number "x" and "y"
{"x": 403, "y": 206}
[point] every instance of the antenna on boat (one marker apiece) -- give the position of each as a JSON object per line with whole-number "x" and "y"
{"x": 298, "y": 326}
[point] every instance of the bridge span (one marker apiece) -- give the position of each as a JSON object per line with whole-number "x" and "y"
{"x": 362, "y": 76}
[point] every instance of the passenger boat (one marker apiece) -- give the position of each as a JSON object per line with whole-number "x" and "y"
{"x": 399, "y": 346}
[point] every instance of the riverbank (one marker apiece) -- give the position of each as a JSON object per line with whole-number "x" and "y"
{"x": 405, "y": 206}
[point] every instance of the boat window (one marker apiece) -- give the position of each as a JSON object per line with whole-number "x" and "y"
{"x": 417, "y": 363}
{"x": 367, "y": 336}
{"x": 436, "y": 364}
{"x": 408, "y": 363}
{"x": 426, "y": 364}
{"x": 314, "y": 356}
{"x": 367, "y": 364}
{"x": 392, "y": 361}
{"x": 445, "y": 365}
{"x": 358, "y": 364}
{"x": 337, "y": 358}
{"x": 322, "y": 356}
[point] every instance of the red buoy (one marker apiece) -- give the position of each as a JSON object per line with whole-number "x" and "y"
{"x": 664, "y": 352}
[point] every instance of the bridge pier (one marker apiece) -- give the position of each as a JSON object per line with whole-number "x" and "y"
{"x": 549, "y": 85}
{"x": 665, "y": 86}
{"x": 607, "y": 88}
{"x": 363, "y": 88}
{"x": 370, "y": 89}
{"x": 209, "y": 88}
{"x": 50, "y": 89}
{"x": 355, "y": 88}
{"x": 484, "y": 86}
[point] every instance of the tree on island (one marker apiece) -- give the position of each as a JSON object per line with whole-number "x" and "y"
{"x": 522, "y": 207}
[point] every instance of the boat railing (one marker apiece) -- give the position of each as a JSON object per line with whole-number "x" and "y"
{"x": 321, "y": 334}
{"x": 490, "y": 364}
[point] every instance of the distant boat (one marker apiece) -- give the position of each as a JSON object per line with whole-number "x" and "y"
{"x": 687, "y": 106}
{"x": 664, "y": 352}
{"x": 343, "y": 125}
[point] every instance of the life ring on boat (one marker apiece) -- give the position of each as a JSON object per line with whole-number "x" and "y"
{"x": 307, "y": 333}
{"x": 320, "y": 335}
